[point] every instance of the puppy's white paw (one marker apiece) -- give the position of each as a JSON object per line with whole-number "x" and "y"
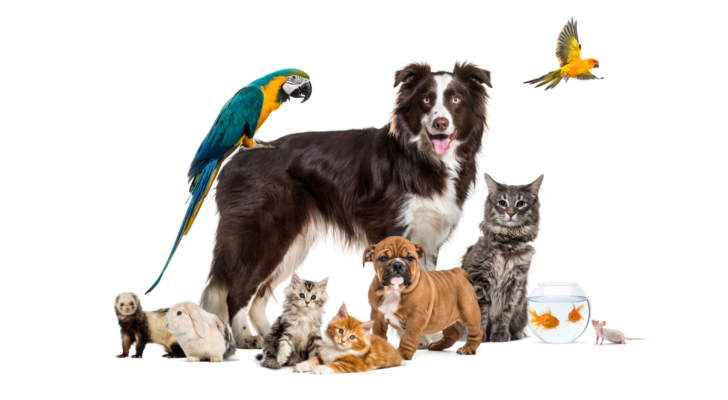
{"x": 321, "y": 370}
{"x": 192, "y": 359}
{"x": 303, "y": 367}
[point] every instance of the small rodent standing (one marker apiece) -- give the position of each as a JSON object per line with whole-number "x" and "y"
{"x": 142, "y": 327}
{"x": 203, "y": 336}
{"x": 612, "y": 335}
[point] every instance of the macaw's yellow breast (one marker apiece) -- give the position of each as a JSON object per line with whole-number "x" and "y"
{"x": 270, "y": 93}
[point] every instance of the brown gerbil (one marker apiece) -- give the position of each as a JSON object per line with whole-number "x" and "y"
{"x": 142, "y": 327}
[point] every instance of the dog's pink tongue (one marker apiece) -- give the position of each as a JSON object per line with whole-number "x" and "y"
{"x": 397, "y": 280}
{"x": 441, "y": 145}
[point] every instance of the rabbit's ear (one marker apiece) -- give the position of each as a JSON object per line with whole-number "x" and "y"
{"x": 198, "y": 322}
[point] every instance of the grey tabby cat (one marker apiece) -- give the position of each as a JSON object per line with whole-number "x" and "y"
{"x": 296, "y": 334}
{"x": 498, "y": 263}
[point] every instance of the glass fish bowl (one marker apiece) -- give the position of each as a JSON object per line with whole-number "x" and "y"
{"x": 558, "y": 312}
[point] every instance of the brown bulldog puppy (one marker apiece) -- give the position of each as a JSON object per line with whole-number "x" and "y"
{"x": 415, "y": 301}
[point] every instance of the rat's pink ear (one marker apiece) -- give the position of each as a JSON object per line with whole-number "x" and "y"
{"x": 603, "y": 322}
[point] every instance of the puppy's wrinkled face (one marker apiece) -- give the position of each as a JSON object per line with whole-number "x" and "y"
{"x": 395, "y": 261}
{"x": 127, "y": 303}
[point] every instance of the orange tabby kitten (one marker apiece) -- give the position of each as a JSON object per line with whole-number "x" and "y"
{"x": 349, "y": 346}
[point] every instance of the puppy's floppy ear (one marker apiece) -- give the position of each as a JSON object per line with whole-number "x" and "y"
{"x": 197, "y": 321}
{"x": 341, "y": 314}
{"x": 366, "y": 327}
{"x": 411, "y": 72}
{"x": 420, "y": 251}
{"x": 368, "y": 255}
{"x": 470, "y": 72}
{"x": 535, "y": 186}
{"x": 493, "y": 186}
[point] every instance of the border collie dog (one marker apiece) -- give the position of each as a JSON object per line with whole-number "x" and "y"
{"x": 409, "y": 178}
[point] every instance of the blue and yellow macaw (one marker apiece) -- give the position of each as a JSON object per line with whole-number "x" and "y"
{"x": 237, "y": 123}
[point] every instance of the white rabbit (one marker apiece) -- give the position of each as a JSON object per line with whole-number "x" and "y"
{"x": 202, "y": 336}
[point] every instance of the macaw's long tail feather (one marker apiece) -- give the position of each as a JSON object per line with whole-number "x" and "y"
{"x": 553, "y": 77}
{"x": 201, "y": 187}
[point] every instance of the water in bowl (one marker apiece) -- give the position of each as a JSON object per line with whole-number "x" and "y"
{"x": 565, "y": 331}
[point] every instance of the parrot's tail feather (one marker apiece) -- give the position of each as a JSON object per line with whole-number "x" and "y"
{"x": 553, "y": 77}
{"x": 200, "y": 190}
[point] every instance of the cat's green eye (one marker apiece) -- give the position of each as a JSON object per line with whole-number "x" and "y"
{"x": 301, "y": 295}
{"x": 520, "y": 204}
{"x": 313, "y": 297}
{"x": 341, "y": 331}
{"x": 502, "y": 203}
{"x": 352, "y": 337}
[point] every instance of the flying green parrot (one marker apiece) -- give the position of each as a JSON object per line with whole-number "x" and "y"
{"x": 237, "y": 123}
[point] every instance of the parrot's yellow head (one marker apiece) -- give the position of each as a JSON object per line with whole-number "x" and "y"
{"x": 593, "y": 62}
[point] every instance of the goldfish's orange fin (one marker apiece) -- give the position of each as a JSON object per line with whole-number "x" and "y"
{"x": 573, "y": 305}
{"x": 534, "y": 315}
{"x": 547, "y": 312}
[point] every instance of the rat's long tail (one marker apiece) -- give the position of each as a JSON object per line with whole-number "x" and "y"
{"x": 634, "y": 338}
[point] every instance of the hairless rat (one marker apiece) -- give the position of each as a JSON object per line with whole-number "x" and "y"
{"x": 612, "y": 335}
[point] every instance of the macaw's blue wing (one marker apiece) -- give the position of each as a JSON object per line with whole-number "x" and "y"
{"x": 238, "y": 118}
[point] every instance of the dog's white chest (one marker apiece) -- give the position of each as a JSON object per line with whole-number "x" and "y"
{"x": 389, "y": 307}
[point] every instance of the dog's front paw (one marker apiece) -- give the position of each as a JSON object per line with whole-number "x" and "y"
{"x": 321, "y": 370}
{"x": 466, "y": 350}
{"x": 406, "y": 355}
{"x": 500, "y": 337}
{"x": 303, "y": 367}
{"x": 251, "y": 342}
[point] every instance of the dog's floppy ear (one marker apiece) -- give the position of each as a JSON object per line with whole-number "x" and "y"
{"x": 409, "y": 73}
{"x": 420, "y": 251}
{"x": 368, "y": 255}
{"x": 470, "y": 72}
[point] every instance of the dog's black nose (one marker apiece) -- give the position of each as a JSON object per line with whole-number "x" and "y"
{"x": 441, "y": 124}
{"x": 397, "y": 266}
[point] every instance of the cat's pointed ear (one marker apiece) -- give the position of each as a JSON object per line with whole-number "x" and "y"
{"x": 295, "y": 280}
{"x": 493, "y": 186}
{"x": 322, "y": 284}
{"x": 366, "y": 327}
{"x": 368, "y": 255}
{"x": 341, "y": 314}
{"x": 535, "y": 186}
{"x": 421, "y": 253}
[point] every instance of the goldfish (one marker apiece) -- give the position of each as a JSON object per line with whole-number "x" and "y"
{"x": 545, "y": 321}
{"x": 574, "y": 315}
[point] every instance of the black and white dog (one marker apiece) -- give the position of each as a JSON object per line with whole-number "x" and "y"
{"x": 409, "y": 178}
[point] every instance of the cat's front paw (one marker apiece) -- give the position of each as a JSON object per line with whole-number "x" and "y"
{"x": 321, "y": 370}
{"x": 251, "y": 342}
{"x": 303, "y": 367}
{"x": 500, "y": 337}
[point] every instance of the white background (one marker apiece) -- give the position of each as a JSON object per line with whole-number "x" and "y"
{"x": 103, "y": 107}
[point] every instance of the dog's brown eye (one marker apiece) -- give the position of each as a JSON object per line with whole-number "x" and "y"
{"x": 455, "y": 100}
{"x": 426, "y": 100}
{"x": 410, "y": 258}
{"x": 502, "y": 203}
{"x": 383, "y": 258}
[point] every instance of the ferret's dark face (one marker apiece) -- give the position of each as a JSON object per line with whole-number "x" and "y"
{"x": 127, "y": 303}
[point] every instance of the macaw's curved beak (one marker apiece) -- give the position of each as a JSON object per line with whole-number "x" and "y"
{"x": 596, "y": 65}
{"x": 303, "y": 91}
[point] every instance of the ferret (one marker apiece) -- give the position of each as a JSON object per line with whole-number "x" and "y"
{"x": 143, "y": 327}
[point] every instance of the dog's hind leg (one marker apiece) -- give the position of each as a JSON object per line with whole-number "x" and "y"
{"x": 291, "y": 261}
{"x": 451, "y": 334}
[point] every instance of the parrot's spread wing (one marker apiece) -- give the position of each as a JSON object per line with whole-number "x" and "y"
{"x": 238, "y": 117}
{"x": 568, "y": 48}
{"x": 587, "y": 76}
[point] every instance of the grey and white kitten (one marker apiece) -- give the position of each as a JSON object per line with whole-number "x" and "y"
{"x": 296, "y": 334}
{"x": 498, "y": 263}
